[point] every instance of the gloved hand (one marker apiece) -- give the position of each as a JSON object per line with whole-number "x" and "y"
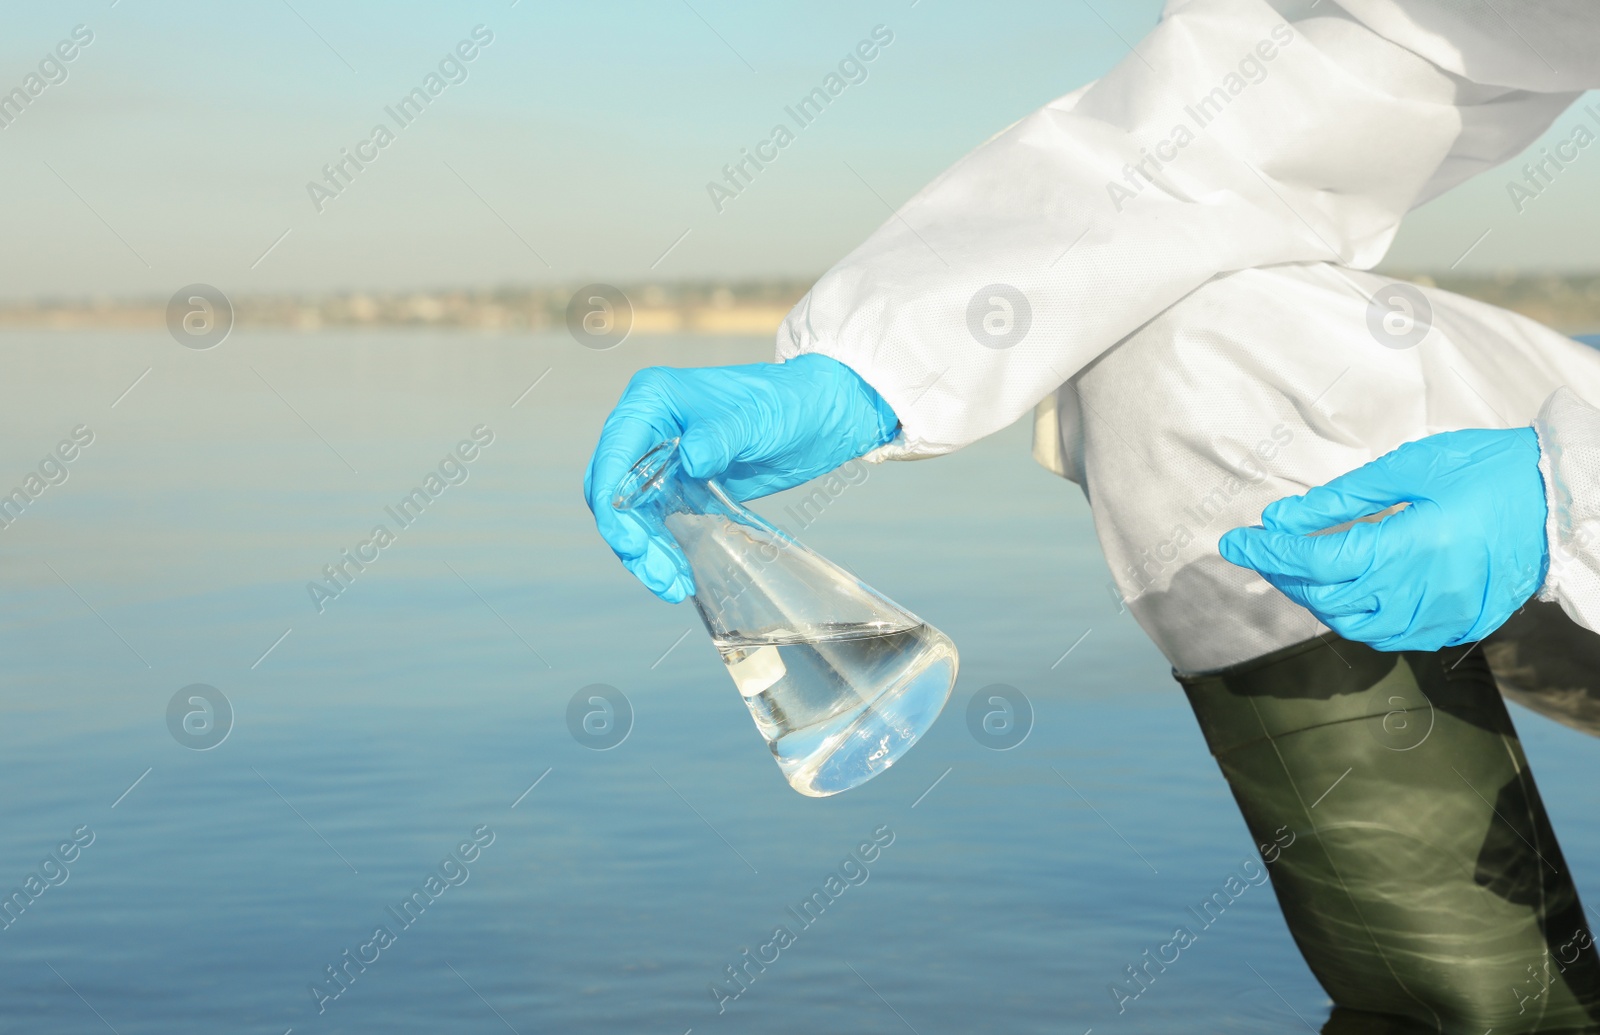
{"x": 758, "y": 429}
{"x": 1449, "y": 569}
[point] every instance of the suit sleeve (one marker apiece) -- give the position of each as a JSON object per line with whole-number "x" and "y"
{"x": 1230, "y": 138}
{"x": 1569, "y": 460}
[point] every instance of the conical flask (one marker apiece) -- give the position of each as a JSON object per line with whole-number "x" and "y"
{"x": 840, "y": 680}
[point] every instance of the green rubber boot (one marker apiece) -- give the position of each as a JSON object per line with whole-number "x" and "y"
{"x": 1422, "y": 879}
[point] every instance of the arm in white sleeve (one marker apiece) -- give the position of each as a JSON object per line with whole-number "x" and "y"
{"x": 1569, "y": 460}
{"x": 1230, "y": 138}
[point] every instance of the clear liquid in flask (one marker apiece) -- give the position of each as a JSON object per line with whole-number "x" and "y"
{"x": 839, "y": 704}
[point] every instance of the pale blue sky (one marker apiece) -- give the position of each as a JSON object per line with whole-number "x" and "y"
{"x": 185, "y": 134}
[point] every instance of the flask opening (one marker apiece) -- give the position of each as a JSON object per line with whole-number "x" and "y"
{"x": 645, "y": 476}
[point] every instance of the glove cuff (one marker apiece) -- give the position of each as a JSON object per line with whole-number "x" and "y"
{"x": 872, "y": 421}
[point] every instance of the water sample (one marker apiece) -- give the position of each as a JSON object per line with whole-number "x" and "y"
{"x": 839, "y": 704}
{"x": 839, "y": 679}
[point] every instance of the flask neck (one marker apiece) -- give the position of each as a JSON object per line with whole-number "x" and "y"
{"x": 657, "y": 488}
{"x": 752, "y": 581}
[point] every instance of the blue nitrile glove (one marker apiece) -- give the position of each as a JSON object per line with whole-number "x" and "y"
{"x": 1448, "y": 569}
{"x": 757, "y": 429}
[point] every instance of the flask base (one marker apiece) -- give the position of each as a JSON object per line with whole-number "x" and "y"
{"x": 882, "y": 732}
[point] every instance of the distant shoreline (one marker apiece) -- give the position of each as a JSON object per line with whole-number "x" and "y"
{"x": 701, "y": 308}
{"x": 1567, "y": 302}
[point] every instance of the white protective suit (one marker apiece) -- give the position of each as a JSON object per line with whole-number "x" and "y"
{"x": 1183, "y": 241}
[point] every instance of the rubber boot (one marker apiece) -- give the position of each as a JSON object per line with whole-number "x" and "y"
{"x": 1411, "y": 854}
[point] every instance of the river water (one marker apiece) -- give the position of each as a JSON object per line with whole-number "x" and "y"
{"x": 402, "y": 752}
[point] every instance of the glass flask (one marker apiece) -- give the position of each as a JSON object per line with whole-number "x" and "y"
{"x": 840, "y": 680}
